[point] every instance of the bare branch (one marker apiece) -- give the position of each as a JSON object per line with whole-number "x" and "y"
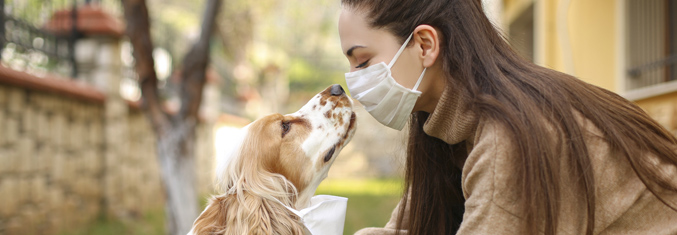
{"x": 138, "y": 31}
{"x": 195, "y": 64}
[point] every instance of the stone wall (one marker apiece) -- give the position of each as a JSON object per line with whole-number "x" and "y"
{"x": 50, "y": 161}
{"x": 64, "y": 160}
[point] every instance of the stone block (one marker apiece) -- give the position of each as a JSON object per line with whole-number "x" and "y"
{"x": 42, "y": 127}
{"x": 37, "y": 99}
{"x": 10, "y": 161}
{"x": 68, "y": 172}
{"x": 4, "y": 168}
{"x": 94, "y": 161}
{"x": 57, "y": 104}
{"x": 44, "y": 158}
{"x": 8, "y": 193}
{"x": 70, "y": 135}
{"x": 96, "y": 188}
{"x": 42, "y": 101}
{"x": 57, "y": 168}
{"x": 24, "y": 190}
{"x": 38, "y": 189}
{"x": 90, "y": 188}
{"x": 49, "y": 103}
{"x": 58, "y": 128}
{"x": 85, "y": 140}
{"x": 109, "y": 54}
{"x": 95, "y": 133}
{"x": 55, "y": 197}
{"x": 28, "y": 121}
{"x": 15, "y": 100}
{"x": 78, "y": 136}
{"x": 26, "y": 154}
{"x": 2, "y": 126}
{"x": 3, "y": 96}
{"x": 116, "y": 109}
{"x": 11, "y": 133}
{"x": 86, "y": 50}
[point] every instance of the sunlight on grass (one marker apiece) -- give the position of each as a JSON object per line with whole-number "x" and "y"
{"x": 374, "y": 187}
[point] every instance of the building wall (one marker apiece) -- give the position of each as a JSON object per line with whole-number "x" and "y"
{"x": 662, "y": 108}
{"x": 594, "y": 51}
{"x": 592, "y": 32}
{"x": 578, "y": 37}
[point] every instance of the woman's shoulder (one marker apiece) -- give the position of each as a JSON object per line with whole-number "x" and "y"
{"x": 491, "y": 170}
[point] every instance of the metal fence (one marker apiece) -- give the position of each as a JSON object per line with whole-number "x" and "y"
{"x": 651, "y": 42}
{"x": 27, "y": 45}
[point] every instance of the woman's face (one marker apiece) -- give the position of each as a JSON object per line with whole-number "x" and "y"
{"x": 364, "y": 46}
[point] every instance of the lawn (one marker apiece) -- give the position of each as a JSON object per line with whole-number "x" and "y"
{"x": 369, "y": 205}
{"x": 370, "y": 202}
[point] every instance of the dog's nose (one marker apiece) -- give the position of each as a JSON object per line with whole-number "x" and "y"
{"x": 337, "y": 90}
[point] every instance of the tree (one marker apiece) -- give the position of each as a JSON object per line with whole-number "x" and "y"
{"x": 175, "y": 133}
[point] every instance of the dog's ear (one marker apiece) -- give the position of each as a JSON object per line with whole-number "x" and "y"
{"x": 274, "y": 218}
{"x": 213, "y": 218}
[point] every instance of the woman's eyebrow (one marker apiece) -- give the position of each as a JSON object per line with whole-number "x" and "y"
{"x": 349, "y": 52}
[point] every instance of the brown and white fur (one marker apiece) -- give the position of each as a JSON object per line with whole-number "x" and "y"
{"x": 278, "y": 156}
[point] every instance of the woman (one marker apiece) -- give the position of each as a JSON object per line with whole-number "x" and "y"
{"x": 498, "y": 145}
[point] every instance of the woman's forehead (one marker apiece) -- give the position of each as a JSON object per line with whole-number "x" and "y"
{"x": 354, "y": 31}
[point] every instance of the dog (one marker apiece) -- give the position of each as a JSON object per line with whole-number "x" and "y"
{"x": 278, "y": 159}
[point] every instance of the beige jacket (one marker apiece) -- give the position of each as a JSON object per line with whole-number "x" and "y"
{"x": 623, "y": 203}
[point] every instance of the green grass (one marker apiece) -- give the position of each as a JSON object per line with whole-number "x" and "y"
{"x": 151, "y": 223}
{"x": 370, "y": 203}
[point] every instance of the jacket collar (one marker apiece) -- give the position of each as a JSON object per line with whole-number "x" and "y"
{"x": 452, "y": 120}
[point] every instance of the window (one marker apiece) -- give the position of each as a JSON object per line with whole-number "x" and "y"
{"x": 651, "y": 31}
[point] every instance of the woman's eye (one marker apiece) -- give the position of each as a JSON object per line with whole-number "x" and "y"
{"x": 362, "y": 65}
{"x": 286, "y": 126}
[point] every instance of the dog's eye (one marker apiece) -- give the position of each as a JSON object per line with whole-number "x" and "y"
{"x": 329, "y": 154}
{"x": 286, "y": 126}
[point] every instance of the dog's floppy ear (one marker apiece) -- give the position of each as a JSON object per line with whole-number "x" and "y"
{"x": 213, "y": 218}
{"x": 274, "y": 218}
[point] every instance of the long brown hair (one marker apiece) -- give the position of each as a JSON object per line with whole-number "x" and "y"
{"x": 505, "y": 88}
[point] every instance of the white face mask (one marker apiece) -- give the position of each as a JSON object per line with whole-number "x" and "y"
{"x": 386, "y": 100}
{"x": 326, "y": 214}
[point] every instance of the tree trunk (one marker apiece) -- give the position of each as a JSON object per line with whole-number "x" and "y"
{"x": 175, "y": 134}
{"x": 177, "y": 163}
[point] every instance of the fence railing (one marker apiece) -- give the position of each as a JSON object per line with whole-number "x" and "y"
{"x": 652, "y": 43}
{"x": 27, "y": 45}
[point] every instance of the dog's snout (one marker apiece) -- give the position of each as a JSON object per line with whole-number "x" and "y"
{"x": 337, "y": 90}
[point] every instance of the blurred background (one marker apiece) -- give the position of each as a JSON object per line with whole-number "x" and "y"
{"x": 78, "y": 156}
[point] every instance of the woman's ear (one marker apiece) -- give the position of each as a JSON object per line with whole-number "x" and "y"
{"x": 427, "y": 39}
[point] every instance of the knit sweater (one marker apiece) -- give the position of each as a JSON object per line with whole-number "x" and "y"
{"x": 623, "y": 203}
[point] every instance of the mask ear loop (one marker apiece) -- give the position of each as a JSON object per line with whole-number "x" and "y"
{"x": 392, "y": 62}
{"x": 420, "y": 78}
{"x": 397, "y": 55}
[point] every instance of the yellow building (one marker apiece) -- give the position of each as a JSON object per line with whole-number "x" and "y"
{"x": 626, "y": 46}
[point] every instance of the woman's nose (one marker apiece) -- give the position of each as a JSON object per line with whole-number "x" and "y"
{"x": 337, "y": 90}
